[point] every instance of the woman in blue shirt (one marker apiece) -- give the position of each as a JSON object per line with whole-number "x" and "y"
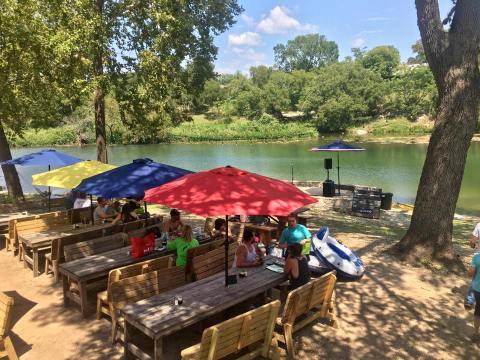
{"x": 295, "y": 234}
{"x": 474, "y": 271}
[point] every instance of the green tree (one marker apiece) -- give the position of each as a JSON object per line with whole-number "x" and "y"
{"x": 305, "y": 52}
{"x": 419, "y": 57}
{"x": 244, "y": 98}
{"x": 213, "y": 93}
{"x": 411, "y": 93}
{"x": 340, "y": 94}
{"x": 453, "y": 56}
{"x": 34, "y": 76}
{"x": 276, "y": 94}
{"x": 260, "y": 75}
{"x": 382, "y": 59}
{"x": 148, "y": 54}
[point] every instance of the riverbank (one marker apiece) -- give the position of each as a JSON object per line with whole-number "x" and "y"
{"x": 207, "y": 128}
{"x": 395, "y": 311}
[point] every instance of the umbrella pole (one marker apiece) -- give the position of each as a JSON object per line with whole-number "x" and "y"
{"x": 91, "y": 209}
{"x": 338, "y": 171}
{"x": 49, "y": 195}
{"x": 145, "y": 207}
{"x": 226, "y": 252}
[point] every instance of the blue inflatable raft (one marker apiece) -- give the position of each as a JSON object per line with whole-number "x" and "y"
{"x": 326, "y": 254}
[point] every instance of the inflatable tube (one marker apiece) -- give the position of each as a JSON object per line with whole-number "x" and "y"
{"x": 327, "y": 252}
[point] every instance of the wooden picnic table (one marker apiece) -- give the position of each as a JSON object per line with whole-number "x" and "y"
{"x": 266, "y": 232}
{"x": 158, "y": 317}
{"x": 42, "y": 240}
{"x": 96, "y": 267}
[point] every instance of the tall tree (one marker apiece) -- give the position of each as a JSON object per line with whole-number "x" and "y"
{"x": 453, "y": 56}
{"x": 382, "y": 59}
{"x": 305, "y": 52}
{"x": 147, "y": 54}
{"x": 31, "y": 78}
{"x": 419, "y": 57}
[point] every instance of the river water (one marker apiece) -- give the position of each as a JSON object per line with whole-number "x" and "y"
{"x": 395, "y": 168}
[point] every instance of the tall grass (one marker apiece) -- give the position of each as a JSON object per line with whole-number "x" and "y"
{"x": 395, "y": 126}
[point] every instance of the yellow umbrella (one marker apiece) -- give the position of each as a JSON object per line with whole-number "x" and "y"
{"x": 70, "y": 176}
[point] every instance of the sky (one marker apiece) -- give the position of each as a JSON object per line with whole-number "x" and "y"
{"x": 350, "y": 23}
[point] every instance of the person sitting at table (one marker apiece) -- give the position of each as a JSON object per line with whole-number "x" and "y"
{"x": 182, "y": 243}
{"x": 219, "y": 229}
{"x": 248, "y": 254}
{"x": 81, "y": 201}
{"x": 174, "y": 225}
{"x": 295, "y": 233}
{"x": 125, "y": 215}
{"x": 296, "y": 267}
{"x": 113, "y": 208}
{"x": 100, "y": 212}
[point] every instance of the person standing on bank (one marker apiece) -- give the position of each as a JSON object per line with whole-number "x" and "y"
{"x": 295, "y": 234}
{"x": 474, "y": 272}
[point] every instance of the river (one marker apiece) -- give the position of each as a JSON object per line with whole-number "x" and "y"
{"x": 395, "y": 168}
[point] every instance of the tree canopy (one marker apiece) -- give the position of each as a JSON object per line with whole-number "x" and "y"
{"x": 305, "y": 52}
{"x": 382, "y": 59}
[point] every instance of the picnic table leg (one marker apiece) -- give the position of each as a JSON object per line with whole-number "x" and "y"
{"x": 82, "y": 287}
{"x": 35, "y": 262}
{"x": 126, "y": 341}
{"x": 158, "y": 348}
{"x": 66, "y": 289}
{"x": 23, "y": 255}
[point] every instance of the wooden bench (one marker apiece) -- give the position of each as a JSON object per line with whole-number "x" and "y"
{"x": 136, "y": 288}
{"x": 83, "y": 249}
{"x": 311, "y": 301}
{"x": 197, "y": 251}
{"x": 14, "y": 225}
{"x": 56, "y": 256}
{"x": 212, "y": 262}
{"x": 252, "y": 331}
{"x": 154, "y": 220}
{"x": 104, "y": 297}
{"x": 133, "y": 225}
{"x": 6, "y": 307}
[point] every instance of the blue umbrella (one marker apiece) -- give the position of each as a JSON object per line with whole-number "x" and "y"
{"x": 130, "y": 180}
{"x": 338, "y": 146}
{"x": 47, "y": 157}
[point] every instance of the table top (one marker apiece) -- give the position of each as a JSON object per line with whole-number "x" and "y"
{"x": 45, "y": 237}
{"x": 158, "y": 316}
{"x": 99, "y": 265}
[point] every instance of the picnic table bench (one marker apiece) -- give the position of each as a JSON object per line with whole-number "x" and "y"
{"x": 42, "y": 240}
{"x": 157, "y": 317}
{"x": 95, "y": 267}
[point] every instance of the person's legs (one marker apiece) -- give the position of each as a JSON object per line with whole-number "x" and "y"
{"x": 469, "y": 299}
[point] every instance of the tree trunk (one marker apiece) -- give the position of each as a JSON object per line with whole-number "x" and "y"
{"x": 99, "y": 101}
{"x": 10, "y": 173}
{"x": 454, "y": 63}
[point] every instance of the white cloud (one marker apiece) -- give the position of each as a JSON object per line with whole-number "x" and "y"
{"x": 246, "y": 38}
{"x": 279, "y": 21}
{"x": 358, "y": 42}
{"x": 248, "y": 20}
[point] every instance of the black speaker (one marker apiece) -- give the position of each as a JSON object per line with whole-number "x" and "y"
{"x": 327, "y": 164}
{"x": 328, "y": 188}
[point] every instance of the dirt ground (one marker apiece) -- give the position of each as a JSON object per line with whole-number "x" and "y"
{"x": 396, "y": 311}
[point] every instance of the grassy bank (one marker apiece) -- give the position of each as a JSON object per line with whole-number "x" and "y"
{"x": 393, "y": 126}
{"x": 207, "y": 128}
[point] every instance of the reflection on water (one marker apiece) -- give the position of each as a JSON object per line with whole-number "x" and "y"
{"x": 395, "y": 168}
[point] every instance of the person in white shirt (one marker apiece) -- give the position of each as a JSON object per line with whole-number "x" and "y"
{"x": 81, "y": 201}
{"x": 100, "y": 212}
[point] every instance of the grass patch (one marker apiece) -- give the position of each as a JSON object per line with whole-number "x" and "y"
{"x": 202, "y": 129}
{"x": 394, "y": 126}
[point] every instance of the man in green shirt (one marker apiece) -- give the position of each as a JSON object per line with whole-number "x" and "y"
{"x": 182, "y": 244}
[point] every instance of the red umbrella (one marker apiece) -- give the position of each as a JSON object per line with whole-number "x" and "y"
{"x": 228, "y": 190}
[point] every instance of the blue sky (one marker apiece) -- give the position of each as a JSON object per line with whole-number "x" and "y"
{"x": 350, "y": 23}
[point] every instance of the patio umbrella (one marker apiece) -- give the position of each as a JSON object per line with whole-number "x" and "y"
{"x": 70, "y": 176}
{"x": 48, "y": 157}
{"x": 338, "y": 147}
{"x": 130, "y": 180}
{"x": 228, "y": 190}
